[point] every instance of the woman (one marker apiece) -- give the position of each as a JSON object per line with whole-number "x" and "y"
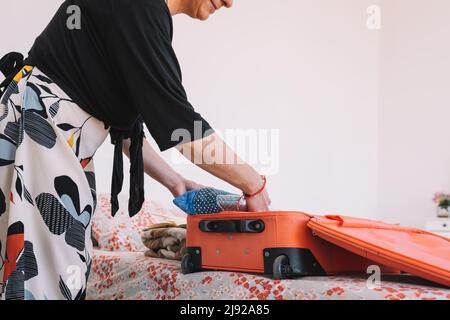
{"x": 100, "y": 67}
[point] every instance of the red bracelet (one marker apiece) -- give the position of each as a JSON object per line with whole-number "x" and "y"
{"x": 259, "y": 191}
{"x": 246, "y": 196}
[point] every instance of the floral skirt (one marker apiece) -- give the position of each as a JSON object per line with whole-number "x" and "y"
{"x": 47, "y": 190}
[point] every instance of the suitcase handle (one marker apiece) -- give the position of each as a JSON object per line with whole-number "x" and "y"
{"x": 232, "y": 226}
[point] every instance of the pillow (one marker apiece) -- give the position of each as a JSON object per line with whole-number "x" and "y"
{"x": 122, "y": 233}
{"x": 209, "y": 200}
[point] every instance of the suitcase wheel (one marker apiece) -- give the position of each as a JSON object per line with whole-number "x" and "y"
{"x": 187, "y": 265}
{"x": 281, "y": 268}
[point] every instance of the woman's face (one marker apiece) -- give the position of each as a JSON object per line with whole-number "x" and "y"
{"x": 202, "y": 9}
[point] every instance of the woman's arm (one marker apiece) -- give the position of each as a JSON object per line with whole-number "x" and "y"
{"x": 221, "y": 162}
{"x": 213, "y": 155}
{"x": 161, "y": 171}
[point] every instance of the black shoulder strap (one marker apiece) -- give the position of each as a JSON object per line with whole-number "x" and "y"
{"x": 10, "y": 64}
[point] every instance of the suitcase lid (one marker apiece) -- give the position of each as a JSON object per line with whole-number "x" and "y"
{"x": 411, "y": 250}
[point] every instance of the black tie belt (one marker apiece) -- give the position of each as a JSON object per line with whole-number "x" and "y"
{"x": 136, "y": 167}
{"x": 13, "y": 62}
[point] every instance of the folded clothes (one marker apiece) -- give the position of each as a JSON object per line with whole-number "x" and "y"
{"x": 209, "y": 200}
{"x": 165, "y": 240}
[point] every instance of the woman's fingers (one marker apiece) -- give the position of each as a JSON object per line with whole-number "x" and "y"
{"x": 268, "y": 200}
{"x": 228, "y": 3}
{"x": 191, "y": 185}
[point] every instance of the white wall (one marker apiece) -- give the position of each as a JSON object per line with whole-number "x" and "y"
{"x": 21, "y": 21}
{"x": 308, "y": 68}
{"x": 414, "y": 124}
{"x": 313, "y": 70}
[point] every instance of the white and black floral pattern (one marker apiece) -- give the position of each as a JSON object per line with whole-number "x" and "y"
{"x": 47, "y": 189}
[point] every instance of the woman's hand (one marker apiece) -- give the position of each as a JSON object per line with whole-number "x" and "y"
{"x": 259, "y": 203}
{"x": 183, "y": 186}
{"x": 259, "y": 199}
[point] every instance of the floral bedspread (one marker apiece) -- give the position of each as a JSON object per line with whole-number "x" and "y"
{"x": 131, "y": 275}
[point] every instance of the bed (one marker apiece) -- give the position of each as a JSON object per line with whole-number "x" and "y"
{"x": 120, "y": 270}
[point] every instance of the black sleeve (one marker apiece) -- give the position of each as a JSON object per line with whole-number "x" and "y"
{"x": 141, "y": 37}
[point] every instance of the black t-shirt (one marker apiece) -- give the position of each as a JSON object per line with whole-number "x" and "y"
{"x": 119, "y": 65}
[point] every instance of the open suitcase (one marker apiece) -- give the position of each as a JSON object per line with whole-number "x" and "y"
{"x": 278, "y": 243}
{"x": 418, "y": 252}
{"x": 290, "y": 244}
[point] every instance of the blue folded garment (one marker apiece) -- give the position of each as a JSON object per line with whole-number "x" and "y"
{"x": 206, "y": 200}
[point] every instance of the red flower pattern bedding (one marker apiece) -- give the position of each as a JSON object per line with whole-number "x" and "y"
{"x": 131, "y": 275}
{"x": 121, "y": 271}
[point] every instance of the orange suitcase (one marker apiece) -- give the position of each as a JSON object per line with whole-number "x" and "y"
{"x": 410, "y": 250}
{"x": 278, "y": 243}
